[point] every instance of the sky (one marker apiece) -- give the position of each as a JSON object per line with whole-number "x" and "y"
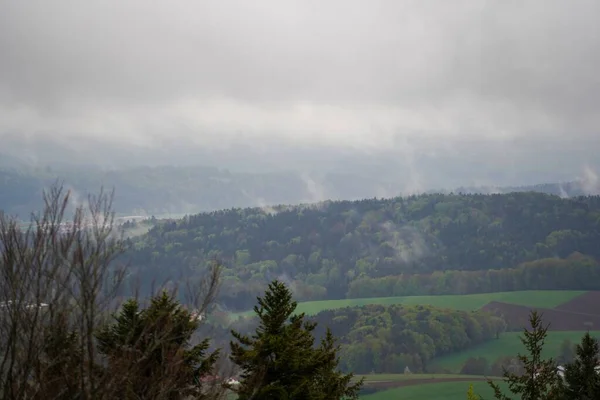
{"x": 474, "y": 88}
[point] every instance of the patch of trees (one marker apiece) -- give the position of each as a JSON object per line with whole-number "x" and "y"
{"x": 425, "y": 244}
{"x": 387, "y": 339}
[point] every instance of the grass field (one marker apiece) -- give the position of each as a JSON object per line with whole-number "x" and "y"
{"x": 375, "y": 378}
{"x": 468, "y": 302}
{"x": 405, "y": 379}
{"x": 530, "y": 298}
{"x": 508, "y": 344}
{"x": 433, "y": 391}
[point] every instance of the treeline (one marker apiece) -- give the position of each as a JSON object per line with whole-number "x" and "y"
{"x": 576, "y": 272}
{"x": 354, "y": 248}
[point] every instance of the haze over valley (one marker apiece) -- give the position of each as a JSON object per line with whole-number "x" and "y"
{"x": 420, "y": 179}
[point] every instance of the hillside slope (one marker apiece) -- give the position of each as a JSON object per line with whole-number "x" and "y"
{"x": 420, "y": 245}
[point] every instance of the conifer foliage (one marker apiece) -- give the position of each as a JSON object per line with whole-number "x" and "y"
{"x": 151, "y": 346}
{"x": 540, "y": 380}
{"x": 280, "y": 360}
{"x": 582, "y": 376}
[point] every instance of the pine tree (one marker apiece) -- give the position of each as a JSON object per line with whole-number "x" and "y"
{"x": 151, "y": 350}
{"x": 540, "y": 380}
{"x": 281, "y": 361}
{"x": 582, "y": 376}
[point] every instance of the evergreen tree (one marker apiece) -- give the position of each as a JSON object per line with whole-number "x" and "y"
{"x": 280, "y": 361}
{"x": 540, "y": 380}
{"x": 151, "y": 350}
{"x": 582, "y": 376}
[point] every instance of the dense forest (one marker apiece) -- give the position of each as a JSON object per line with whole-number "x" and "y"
{"x": 427, "y": 244}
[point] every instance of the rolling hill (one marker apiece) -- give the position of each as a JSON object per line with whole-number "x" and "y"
{"x": 425, "y": 281}
{"x": 419, "y": 245}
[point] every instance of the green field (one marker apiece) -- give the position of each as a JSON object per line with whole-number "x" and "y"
{"x": 428, "y": 391}
{"x": 434, "y": 391}
{"x": 531, "y": 298}
{"x": 467, "y": 302}
{"x": 374, "y": 378}
{"x": 508, "y": 344}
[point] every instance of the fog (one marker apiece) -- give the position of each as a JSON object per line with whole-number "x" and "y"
{"x": 432, "y": 93}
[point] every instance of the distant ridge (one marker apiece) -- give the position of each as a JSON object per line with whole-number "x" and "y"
{"x": 565, "y": 189}
{"x": 177, "y": 190}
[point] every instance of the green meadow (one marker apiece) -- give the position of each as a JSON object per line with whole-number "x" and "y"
{"x": 468, "y": 302}
{"x": 508, "y": 344}
{"x": 434, "y": 391}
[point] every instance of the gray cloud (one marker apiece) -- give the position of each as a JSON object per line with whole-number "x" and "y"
{"x": 511, "y": 81}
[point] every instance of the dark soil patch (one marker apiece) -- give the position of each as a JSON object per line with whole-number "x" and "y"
{"x": 382, "y": 385}
{"x": 588, "y": 303}
{"x": 517, "y": 317}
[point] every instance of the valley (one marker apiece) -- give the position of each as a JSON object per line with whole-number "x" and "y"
{"x": 383, "y": 273}
{"x": 292, "y": 200}
{"x": 426, "y": 294}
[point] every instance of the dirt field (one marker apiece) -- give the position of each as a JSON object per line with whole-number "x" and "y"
{"x": 588, "y": 303}
{"x": 586, "y": 317}
{"x": 381, "y": 385}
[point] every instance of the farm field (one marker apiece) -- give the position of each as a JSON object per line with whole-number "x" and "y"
{"x": 507, "y": 344}
{"x": 570, "y": 314}
{"x": 448, "y": 390}
{"x": 407, "y": 379}
{"x": 423, "y": 386}
{"x": 468, "y": 302}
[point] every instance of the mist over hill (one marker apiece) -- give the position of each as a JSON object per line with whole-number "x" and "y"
{"x": 171, "y": 191}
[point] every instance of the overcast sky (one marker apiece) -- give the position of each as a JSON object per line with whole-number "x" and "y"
{"x": 520, "y": 77}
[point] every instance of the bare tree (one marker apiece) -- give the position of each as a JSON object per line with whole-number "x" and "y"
{"x": 58, "y": 280}
{"x": 56, "y": 274}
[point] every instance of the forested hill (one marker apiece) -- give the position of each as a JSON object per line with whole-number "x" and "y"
{"x": 428, "y": 244}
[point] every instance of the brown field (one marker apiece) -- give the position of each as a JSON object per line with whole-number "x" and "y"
{"x": 588, "y": 303}
{"x": 579, "y": 314}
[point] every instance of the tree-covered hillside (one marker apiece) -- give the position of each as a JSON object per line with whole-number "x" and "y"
{"x": 428, "y": 244}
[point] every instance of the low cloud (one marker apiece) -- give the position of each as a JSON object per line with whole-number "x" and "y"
{"x": 408, "y": 244}
{"x": 589, "y": 182}
{"x": 511, "y": 87}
